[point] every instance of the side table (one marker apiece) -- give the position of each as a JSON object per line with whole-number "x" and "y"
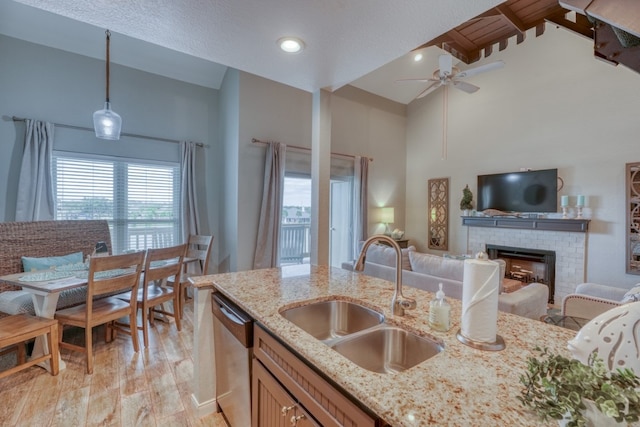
{"x": 402, "y": 243}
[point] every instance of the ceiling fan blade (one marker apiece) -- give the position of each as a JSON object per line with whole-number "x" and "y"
{"x": 429, "y": 89}
{"x": 465, "y": 87}
{"x": 481, "y": 69}
{"x": 417, "y": 80}
{"x": 446, "y": 63}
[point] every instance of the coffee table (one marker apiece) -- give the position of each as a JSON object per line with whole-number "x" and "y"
{"x": 570, "y": 322}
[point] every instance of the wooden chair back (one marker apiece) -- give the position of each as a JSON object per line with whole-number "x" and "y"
{"x": 162, "y": 264}
{"x": 101, "y": 281}
{"x": 199, "y": 247}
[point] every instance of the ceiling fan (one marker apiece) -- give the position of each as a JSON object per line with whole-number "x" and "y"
{"x": 448, "y": 75}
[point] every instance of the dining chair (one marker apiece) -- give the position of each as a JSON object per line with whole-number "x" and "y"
{"x": 198, "y": 254}
{"x": 160, "y": 265}
{"x": 110, "y": 275}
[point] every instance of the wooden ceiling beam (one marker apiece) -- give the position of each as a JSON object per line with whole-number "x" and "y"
{"x": 469, "y": 49}
{"x": 511, "y": 17}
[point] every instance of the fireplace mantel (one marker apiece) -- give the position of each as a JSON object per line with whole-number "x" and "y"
{"x": 549, "y": 224}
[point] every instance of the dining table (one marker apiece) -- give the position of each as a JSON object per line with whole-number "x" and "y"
{"x": 45, "y": 294}
{"x": 45, "y": 288}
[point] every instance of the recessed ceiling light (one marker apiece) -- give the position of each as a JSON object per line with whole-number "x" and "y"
{"x": 417, "y": 57}
{"x": 291, "y": 44}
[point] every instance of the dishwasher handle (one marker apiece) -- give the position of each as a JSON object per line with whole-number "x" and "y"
{"x": 237, "y": 322}
{"x": 231, "y": 315}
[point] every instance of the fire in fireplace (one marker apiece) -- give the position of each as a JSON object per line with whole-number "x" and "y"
{"x": 527, "y": 265}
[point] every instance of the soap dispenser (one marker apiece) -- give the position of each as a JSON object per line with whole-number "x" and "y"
{"x": 439, "y": 312}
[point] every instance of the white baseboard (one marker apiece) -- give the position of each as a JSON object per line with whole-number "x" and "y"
{"x": 204, "y": 408}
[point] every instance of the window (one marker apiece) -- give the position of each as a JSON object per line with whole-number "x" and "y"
{"x": 295, "y": 230}
{"x": 139, "y": 198}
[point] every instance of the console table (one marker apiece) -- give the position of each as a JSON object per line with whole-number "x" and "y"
{"x": 402, "y": 243}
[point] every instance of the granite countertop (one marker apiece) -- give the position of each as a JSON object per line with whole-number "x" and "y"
{"x": 461, "y": 386}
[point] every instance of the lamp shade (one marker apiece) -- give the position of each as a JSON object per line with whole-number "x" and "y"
{"x": 107, "y": 123}
{"x": 386, "y": 215}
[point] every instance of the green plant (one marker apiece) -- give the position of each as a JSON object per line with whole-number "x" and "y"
{"x": 556, "y": 386}
{"x": 467, "y": 198}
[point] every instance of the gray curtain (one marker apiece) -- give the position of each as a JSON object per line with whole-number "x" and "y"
{"x": 361, "y": 187}
{"x": 188, "y": 197}
{"x": 268, "y": 243}
{"x": 35, "y": 186}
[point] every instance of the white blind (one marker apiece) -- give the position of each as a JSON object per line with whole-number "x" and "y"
{"x": 139, "y": 199}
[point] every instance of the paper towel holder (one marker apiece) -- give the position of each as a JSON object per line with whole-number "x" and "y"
{"x": 497, "y": 345}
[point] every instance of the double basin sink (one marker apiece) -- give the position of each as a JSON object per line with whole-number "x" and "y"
{"x": 361, "y": 335}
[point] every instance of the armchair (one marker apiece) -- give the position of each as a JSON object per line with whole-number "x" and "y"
{"x": 591, "y": 299}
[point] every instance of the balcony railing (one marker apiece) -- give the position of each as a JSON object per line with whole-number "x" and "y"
{"x": 137, "y": 236}
{"x": 294, "y": 243}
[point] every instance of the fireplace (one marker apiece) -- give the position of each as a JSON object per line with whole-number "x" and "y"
{"x": 527, "y": 265}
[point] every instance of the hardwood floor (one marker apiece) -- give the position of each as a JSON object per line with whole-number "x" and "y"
{"x": 149, "y": 388}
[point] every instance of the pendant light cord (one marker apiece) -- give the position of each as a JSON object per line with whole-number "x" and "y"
{"x": 108, "y": 33}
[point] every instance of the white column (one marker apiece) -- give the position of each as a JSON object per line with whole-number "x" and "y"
{"x": 320, "y": 176}
{"x": 204, "y": 364}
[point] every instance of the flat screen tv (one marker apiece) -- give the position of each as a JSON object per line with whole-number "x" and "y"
{"x": 527, "y": 191}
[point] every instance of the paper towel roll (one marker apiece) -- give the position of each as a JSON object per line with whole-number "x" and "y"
{"x": 480, "y": 300}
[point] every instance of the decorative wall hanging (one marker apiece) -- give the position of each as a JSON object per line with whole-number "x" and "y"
{"x": 438, "y": 214}
{"x": 633, "y": 217}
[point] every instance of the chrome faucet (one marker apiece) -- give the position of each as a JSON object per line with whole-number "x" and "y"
{"x": 398, "y": 303}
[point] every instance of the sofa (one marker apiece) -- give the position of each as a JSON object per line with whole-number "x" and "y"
{"x": 591, "y": 299}
{"x": 426, "y": 271}
{"x": 45, "y": 239}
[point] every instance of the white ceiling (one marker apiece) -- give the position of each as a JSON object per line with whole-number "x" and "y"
{"x": 347, "y": 41}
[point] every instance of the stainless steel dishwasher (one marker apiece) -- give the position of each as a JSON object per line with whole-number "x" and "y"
{"x": 233, "y": 341}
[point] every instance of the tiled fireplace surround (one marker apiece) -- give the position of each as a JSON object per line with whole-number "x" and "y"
{"x": 570, "y": 249}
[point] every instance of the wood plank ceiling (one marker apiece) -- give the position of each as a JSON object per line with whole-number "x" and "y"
{"x": 509, "y": 22}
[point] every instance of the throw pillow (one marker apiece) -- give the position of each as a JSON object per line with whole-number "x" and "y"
{"x": 632, "y": 295}
{"x": 386, "y": 255}
{"x": 46, "y": 263}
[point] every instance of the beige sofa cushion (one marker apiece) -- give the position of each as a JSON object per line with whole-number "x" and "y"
{"x": 436, "y": 265}
{"x": 386, "y": 255}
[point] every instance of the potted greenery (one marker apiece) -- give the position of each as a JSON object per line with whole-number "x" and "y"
{"x": 571, "y": 392}
{"x": 467, "y": 198}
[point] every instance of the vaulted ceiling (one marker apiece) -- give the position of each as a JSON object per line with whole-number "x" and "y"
{"x": 613, "y": 24}
{"x": 365, "y": 43}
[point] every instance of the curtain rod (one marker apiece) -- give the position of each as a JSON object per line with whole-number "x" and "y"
{"x": 133, "y": 135}
{"x": 257, "y": 141}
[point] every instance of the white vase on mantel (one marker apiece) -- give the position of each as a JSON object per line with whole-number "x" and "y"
{"x": 594, "y": 417}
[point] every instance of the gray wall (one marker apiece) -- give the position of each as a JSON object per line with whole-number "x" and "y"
{"x": 269, "y": 111}
{"x": 49, "y": 84}
{"x": 228, "y": 184}
{"x": 552, "y": 106}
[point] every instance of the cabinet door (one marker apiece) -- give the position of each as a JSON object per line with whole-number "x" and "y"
{"x": 271, "y": 405}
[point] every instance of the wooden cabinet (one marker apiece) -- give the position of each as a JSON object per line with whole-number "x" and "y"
{"x": 272, "y": 405}
{"x": 282, "y": 382}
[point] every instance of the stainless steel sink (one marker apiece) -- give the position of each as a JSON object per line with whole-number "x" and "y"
{"x": 387, "y": 349}
{"x": 360, "y": 334}
{"x": 328, "y": 320}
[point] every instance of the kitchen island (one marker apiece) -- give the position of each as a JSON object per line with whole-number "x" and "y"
{"x": 459, "y": 386}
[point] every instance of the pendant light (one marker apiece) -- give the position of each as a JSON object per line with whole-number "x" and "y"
{"x": 107, "y": 123}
